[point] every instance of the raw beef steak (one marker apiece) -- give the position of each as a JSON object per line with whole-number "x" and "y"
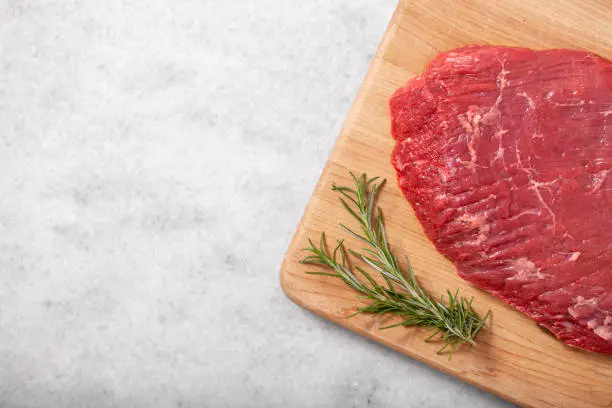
{"x": 506, "y": 156}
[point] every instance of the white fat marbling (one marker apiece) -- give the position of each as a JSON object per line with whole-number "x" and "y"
{"x": 156, "y": 157}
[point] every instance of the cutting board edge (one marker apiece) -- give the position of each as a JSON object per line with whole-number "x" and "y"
{"x": 352, "y": 112}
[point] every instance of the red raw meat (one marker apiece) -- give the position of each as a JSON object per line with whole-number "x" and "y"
{"x": 506, "y": 157}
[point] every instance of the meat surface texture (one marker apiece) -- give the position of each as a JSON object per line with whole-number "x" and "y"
{"x": 506, "y": 157}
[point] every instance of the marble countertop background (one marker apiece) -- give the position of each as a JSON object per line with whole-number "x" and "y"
{"x": 155, "y": 157}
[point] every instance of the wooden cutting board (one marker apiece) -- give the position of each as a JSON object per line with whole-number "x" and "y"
{"x": 514, "y": 358}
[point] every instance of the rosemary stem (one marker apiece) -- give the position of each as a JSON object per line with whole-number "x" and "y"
{"x": 453, "y": 319}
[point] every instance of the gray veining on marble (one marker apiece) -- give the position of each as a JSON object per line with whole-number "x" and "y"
{"x": 156, "y": 157}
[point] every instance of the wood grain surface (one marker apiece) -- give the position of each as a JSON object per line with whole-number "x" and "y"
{"x": 514, "y": 358}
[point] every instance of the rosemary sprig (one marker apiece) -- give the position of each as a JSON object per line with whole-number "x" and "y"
{"x": 453, "y": 318}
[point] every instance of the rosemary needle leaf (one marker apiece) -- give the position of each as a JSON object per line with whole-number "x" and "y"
{"x": 454, "y": 319}
{"x": 350, "y": 210}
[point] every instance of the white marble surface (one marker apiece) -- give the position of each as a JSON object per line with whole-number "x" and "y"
{"x": 156, "y": 156}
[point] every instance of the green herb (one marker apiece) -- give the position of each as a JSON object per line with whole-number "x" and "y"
{"x": 454, "y": 318}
